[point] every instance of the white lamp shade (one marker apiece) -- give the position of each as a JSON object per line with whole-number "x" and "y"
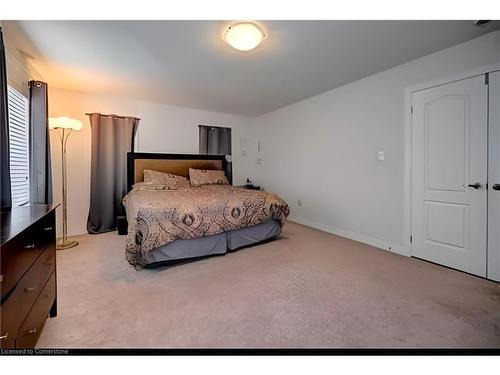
{"x": 64, "y": 122}
{"x": 243, "y": 36}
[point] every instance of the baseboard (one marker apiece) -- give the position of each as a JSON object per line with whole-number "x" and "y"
{"x": 381, "y": 244}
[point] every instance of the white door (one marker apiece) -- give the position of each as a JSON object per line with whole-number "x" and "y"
{"x": 449, "y": 174}
{"x": 494, "y": 179}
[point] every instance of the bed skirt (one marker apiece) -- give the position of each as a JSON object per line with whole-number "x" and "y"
{"x": 217, "y": 244}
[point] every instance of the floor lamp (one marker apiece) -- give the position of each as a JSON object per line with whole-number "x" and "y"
{"x": 64, "y": 127}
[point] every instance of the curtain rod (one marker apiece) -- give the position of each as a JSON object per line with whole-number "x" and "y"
{"x": 117, "y": 116}
{"x": 212, "y": 126}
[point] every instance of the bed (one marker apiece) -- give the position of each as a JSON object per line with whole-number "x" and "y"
{"x": 166, "y": 226}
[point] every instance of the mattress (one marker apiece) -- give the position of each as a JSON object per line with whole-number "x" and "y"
{"x": 216, "y": 244}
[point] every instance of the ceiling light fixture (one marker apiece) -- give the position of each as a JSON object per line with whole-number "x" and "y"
{"x": 243, "y": 36}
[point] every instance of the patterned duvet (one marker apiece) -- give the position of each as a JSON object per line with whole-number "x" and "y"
{"x": 157, "y": 217}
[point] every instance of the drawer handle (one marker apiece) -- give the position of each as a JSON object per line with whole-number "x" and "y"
{"x": 31, "y": 331}
{"x": 30, "y": 246}
{"x": 29, "y": 289}
{"x": 4, "y": 337}
{"x": 48, "y": 228}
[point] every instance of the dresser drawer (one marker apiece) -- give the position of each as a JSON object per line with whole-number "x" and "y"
{"x": 33, "y": 281}
{"x": 7, "y": 336}
{"x": 30, "y": 330}
{"x": 19, "y": 303}
{"x": 18, "y": 255}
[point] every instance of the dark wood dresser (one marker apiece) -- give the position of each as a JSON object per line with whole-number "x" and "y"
{"x": 27, "y": 273}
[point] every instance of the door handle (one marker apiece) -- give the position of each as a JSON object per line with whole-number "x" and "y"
{"x": 496, "y": 187}
{"x": 476, "y": 186}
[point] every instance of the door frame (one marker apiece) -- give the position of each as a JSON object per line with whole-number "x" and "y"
{"x": 407, "y": 225}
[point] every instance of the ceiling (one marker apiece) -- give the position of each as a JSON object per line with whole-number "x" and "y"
{"x": 186, "y": 63}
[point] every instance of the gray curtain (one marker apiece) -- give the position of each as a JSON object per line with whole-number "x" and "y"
{"x": 112, "y": 138}
{"x": 40, "y": 168}
{"x": 216, "y": 140}
{"x": 5, "y": 192}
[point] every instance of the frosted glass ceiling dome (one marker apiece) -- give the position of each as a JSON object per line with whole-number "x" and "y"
{"x": 244, "y": 36}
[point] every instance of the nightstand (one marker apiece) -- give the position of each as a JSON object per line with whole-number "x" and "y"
{"x": 121, "y": 221}
{"x": 250, "y": 186}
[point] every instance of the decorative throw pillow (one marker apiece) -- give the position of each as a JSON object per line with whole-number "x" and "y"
{"x": 199, "y": 177}
{"x": 171, "y": 181}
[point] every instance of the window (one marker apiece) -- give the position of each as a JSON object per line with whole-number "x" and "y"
{"x": 19, "y": 146}
{"x": 216, "y": 140}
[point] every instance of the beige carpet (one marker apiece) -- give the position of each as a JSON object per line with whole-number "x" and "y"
{"x": 307, "y": 289}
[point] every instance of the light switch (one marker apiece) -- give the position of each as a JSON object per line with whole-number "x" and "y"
{"x": 259, "y": 161}
{"x": 381, "y": 155}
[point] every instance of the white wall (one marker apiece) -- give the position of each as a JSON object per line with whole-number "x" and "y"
{"x": 162, "y": 129}
{"x": 20, "y": 69}
{"x": 323, "y": 150}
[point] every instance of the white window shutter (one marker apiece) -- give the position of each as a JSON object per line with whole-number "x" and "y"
{"x": 19, "y": 146}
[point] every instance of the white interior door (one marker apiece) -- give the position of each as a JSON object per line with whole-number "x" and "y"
{"x": 449, "y": 174}
{"x": 494, "y": 179}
